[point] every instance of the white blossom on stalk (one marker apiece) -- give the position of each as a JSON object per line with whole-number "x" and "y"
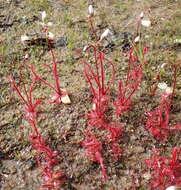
{"x": 26, "y": 56}
{"x": 141, "y": 15}
{"x": 43, "y": 15}
{"x": 163, "y": 86}
{"x": 104, "y": 34}
{"x": 50, "y": 35}
{"x": 24, "y": 38}
{"x": 90, "y": 10}
{"x": 146, "y": 23}
{"x": 137, "y": 39}
{"x": 49, "y": 24}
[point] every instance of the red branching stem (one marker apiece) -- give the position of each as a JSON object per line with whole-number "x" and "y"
{"x": 47, "y": 162}
{"x": 94, "y": 148}
{"x": 55, "y": 73}
{"x": 95, "y": 77}
{"x": 30, "y": 108}
{"x": 11, "y": 80}
{"x": 165, "y": 171}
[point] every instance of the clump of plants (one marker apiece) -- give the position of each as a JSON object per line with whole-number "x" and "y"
{"x": 165, "y": 171}
{"x": 99, "y": 73}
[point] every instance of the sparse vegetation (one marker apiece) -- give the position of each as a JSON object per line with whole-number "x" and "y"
{"x": 135, "y": 44}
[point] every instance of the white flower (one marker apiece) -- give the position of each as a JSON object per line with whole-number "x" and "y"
{"x": 146, "y": 23}
{"x": 26, "y": 56}
{"x": 137, "y": 39}
{"x": 162, "y": 85}
{"x": 49, "y": 24}
{"x": 50, "y": 35}
{"x": 90, "y": 10}
{"x": 169, "y": 90}
{"x": 171, "y": 188}
{"x": 43, "y": 15}
{"x": 85, "y": 48}
{"x": 104, "y": 34}
{"x": 141, "y": 15}
{"x": 24, "y": 38}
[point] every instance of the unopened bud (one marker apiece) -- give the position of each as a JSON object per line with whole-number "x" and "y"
{"x": 43, "y": 15}
{"x": 141, "y": 15}
{"x": 26, "y": 56}
{"x": 104, "y": 34}
{"x": 90, "y": 10}
{"x": 50, "y": 35}
{"x": 137, "y": 39}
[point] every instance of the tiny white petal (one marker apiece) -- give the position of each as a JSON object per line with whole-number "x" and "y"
{"x": 137, "y": 39}
{"x": 146, "y": 23}
{"x": 104, "y": 34}
{"x": 171, "y": 188}
{"x": 141, "y": 15}
{"x": 24, "y": 38}
{"x": 85, "y": 48}
{"x": 43, "y": 15}
{"x": 162, "y": 85}
{"x": 50, "y": 35}
{"x": 90, "y": 10}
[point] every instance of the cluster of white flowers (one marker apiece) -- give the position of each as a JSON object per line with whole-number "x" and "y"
{"x": 50, "y": 35}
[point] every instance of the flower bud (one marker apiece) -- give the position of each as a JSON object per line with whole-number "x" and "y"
{"x": 90, "y": 10}
{"x": 50, "y": 35}
{"x": 141, "y": 15}
{"x": 43, "y": 15}
{"x": 137, "y": 39}
{"x": 104, "y": 34}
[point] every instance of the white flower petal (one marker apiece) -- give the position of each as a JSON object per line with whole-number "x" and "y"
{"x": 50, "y": 24}
{"x": 162, "y": 85}
{"x": 169, "y": 90}
{"x": 43, "y": 15}
{"x": 137, "y": 39}
{"x": 141, "y": 15}
{"x": 146, "y": 23}
{"x": 104, "y": 34}
{"x": 50, "y": 35}
{"x": 171, "y": 188}
{"x": 24, "y": 38}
